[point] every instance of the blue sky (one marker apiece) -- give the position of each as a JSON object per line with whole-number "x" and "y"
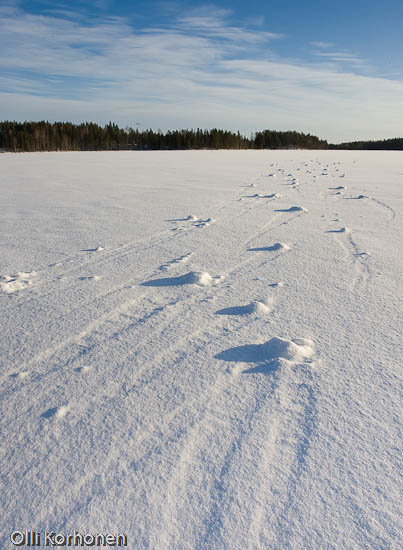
{"x": 330, "y": 68}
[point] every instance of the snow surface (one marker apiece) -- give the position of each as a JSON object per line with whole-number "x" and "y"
{"x": 196, "y": 366}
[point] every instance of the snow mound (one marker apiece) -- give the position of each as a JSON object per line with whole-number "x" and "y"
{"x": 84, "y": 369}
{"x": 279, "y": 284}
{"x": 272, "y": 196}
{"x": 256, "y": 307}
{"x": 62, "y": 411}
{"x": 203, "y": 223}
{"x": 341, "y": 230}
{"x": 297, "y": 209}
{"x": 201, "y": 278}
{"x": 19, "y": 281}
{"x": 272, "y": 248}
{"x": 279, "y": 246}
{"x": 56, "y": 412}
{"x": 261, "y": 308}
{"x": 296, "y": 350}
{"x": 180, "y": 260}
{"x": 292, "y": 209}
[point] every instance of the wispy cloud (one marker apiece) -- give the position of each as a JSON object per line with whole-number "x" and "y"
{"x": 213, "y": 23}
{"x": 198, "y": 70}
{"x": 326, "y": 50}
{"x": 322, "y": 44}
{"x": 342, "y": 57}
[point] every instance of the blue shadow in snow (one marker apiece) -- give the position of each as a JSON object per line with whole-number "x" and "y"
{"x": 170, "y": 281}
{"x": 49, "y": 413}
{"x": 250, "y": 353}
{"x": 291, "y": 209}
{"x": 271, "y": 248}
{"x": 235, "y": 310}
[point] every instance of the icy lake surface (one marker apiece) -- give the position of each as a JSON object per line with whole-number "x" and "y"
{"x": 202, "y": 350}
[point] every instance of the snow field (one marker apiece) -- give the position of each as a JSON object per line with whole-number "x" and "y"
{"x": 197, "y": 366}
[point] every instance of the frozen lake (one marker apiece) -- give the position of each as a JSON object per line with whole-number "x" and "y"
{"x": 202, "y": 349}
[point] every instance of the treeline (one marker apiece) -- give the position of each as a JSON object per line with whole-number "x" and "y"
{"x": 270, "y": 139}
{"x": 395, "y": 144}
{"x": 65, "y": 136}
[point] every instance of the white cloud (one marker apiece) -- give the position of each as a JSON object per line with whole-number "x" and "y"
{"x": 213, "y": 24}
{"x": 198, "y": 71}
{"x": 322, "y": 44}
{"x": 342, "y": 57}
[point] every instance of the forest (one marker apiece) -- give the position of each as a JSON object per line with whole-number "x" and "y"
{"x": 88, "y": 136}
{"x": 394, "y": 144}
